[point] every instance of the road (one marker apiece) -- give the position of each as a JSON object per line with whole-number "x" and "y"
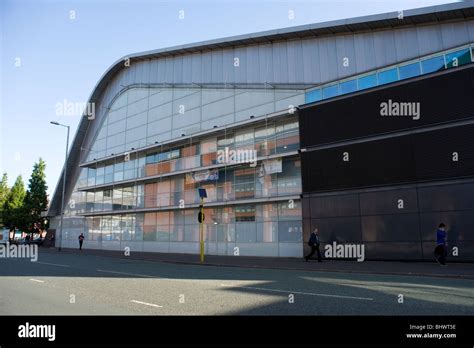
{"x": 80, "y": 284}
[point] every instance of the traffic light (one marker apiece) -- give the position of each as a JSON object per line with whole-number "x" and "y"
{"x": 201, "y": 216}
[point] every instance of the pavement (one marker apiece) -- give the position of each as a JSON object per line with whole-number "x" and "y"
{"x": 89, "y": 282}
{"x": 430, "y": 269}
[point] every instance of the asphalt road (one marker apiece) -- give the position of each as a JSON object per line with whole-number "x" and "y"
{"x": 73, "y": 284}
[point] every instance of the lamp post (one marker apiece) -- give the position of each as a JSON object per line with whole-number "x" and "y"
{"x": 64, "y": 182}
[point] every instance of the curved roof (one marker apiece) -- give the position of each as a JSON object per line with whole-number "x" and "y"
{"x": 432, "y": 14}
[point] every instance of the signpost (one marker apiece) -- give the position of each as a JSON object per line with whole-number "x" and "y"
{"x": 201, "y": 218}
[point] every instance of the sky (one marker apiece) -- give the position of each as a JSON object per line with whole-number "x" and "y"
{"x": 52, "y": 51}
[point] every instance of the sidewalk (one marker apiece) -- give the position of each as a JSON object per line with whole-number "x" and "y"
{"x": 428, "y": 269}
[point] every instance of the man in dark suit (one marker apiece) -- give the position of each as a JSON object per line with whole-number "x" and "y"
{"x": 314, "y": 244}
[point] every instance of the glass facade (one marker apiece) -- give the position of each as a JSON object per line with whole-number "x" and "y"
{"x": 225, "y": 184}
{"x": 441, "y": 61}
{"x": 147, "y": 198}
{"x": 249, "y": 223}
{"x": 144, "y": 116}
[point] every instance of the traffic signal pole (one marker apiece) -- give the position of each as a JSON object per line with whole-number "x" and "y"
{"x": 201, "y": 229}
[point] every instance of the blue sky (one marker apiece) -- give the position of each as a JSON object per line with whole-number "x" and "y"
{"x": 62, "y": 58}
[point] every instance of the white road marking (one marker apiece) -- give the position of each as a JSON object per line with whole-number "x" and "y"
{"x": 125, "y": 273}
{"x": 146, "y": 304}
{"x": 156, "y": 277}
{"x": 37, "y": 280}
{"x": 301, "y": 293}
{"x": 52, "y": 264}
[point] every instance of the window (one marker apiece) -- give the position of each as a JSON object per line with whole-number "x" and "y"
{"x": 348, "y": 87}
{"x": 388, "y": 76}
{"x": 150, "y": 159}
{"x": 244, "y": 213}
{"x": 246, "y": 232}
{"x": 290, "y": 231}
{"x": 109, "y": 173}
{"x": 432, "y": 64}
{"x": 409, "y": 70}
{"x": 368, "y": 81}
{"x": 312, "y": 96}
{"x": 118, "y": 171}
{"x": 330, "y": 91}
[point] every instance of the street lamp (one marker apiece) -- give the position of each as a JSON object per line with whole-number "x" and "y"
{"x": 64, "y": 182}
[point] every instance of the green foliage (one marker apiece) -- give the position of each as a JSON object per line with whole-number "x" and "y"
{"x": 36, "y": 199}
{"x": 13, "y": 213}
{"x": 4, "y": 191}
{"x": 21, "y": 208}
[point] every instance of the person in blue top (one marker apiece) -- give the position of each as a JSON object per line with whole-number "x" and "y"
{"x": 314, "y": 244}
{"x": 441, "y": 250}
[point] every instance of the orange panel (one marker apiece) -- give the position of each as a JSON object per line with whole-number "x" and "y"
{"x": 151, "y": 169}
{"x": 208, "y": 158}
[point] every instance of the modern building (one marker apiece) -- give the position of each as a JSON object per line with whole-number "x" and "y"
{"x": 363, "y": 127}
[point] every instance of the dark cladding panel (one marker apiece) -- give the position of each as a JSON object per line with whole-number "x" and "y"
{"x": 388, "y": 202}
{"x": 459, "y": 224}
{"x": 333, "y": 206}
{"x": 340, "y": 230}
{"x": 442, "y": 98}
{"x": 434, "y": 153}
{"x": 446, "y": 197}
{"x": 373, "y": 216}
{"x": 394, "y": 251}
{"x": 391, "y": 228}
{"x": 376, "y": 163}
{"x": 305, "y": 207}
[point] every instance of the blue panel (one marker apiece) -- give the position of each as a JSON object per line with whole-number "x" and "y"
{"x": 312, "y": 96}
{"x": 432, "y": 64}
{"x": 410, "y": 70}
{"x": 458, "y": 58}
{"x": 368, "y": 81}
{"x": 348, "y": 87}
{"x": 330, "y": 91}
{"x": 388, "y": 76}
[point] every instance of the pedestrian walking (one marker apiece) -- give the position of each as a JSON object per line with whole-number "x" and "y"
{"x": 441, "y": 251}
{"x": 313, "y": 242}
{"x": 81, "y": 240}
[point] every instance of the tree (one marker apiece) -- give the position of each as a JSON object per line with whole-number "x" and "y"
{"x": 13, "y": 209}
{"x": 4, "y": 190}
{"x": 36, "y": 199}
